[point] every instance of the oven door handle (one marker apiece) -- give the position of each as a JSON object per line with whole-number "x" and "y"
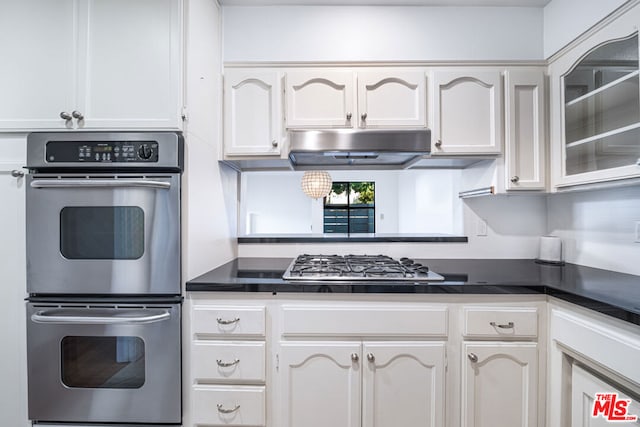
{"x": 99, "y": 183}
{"x": 43, "y": 317}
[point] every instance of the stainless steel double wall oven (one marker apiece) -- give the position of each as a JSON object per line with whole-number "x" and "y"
{"x": 103, "y": 276}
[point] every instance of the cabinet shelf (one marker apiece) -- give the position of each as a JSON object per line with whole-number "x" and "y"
{"x": 604, "y": 135}
{"x": 606, "y": 87}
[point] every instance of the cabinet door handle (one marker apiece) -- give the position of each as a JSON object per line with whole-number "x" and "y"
{"x": 222, "y": 321}
{"x": 349, "y": 115}
{"x": 17, "y": 173}
{"x": 371, "y": 357}
{"x": 363, "y": 116}
{"x": 473, "y": 357}
{"x": 438, "y": 143}
{"x": 515, "y": 179}
{"x": 274, "y": 143}
{"x": 223, "y": 410}
{"x": 77, "y": 115}
{"x": 227, "y": 364}
{"x": 65, "y": 116}
{"x": 509, "y": 325}
{"x": 355, "y": 357}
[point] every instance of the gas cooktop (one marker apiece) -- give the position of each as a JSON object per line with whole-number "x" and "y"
{"x": 347, "y": 268}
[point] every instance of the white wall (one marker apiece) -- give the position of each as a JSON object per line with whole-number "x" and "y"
{"x": 209, "y": 197}
{"x": 597, "y": 227}
{"x": 564, "y": 20}
{"x": 381, "y": 33}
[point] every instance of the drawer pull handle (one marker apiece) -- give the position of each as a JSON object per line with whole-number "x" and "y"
{"x": 502, "y": 325}
{"x": 221, "y": 321}
{"x": 227, "y": 411}
{"x": 473, "y": 357}
{"x": 227, "y": 364}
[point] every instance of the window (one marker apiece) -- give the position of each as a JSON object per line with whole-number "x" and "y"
{"x": 350, "y": 208}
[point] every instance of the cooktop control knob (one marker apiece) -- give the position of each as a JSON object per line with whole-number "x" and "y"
{"x": 145, "y": 152}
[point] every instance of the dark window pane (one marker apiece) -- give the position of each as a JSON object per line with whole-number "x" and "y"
{"x": 102, "y": 232}
{"x": 350, "y": 208}
{"x": 103, "y": 362}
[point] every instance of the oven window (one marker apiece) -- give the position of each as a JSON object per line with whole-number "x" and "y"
{"x": 110, "y": 232}
{"x": 103, "y": 362}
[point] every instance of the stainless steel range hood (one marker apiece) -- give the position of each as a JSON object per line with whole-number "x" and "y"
{"x": 349, "y": 149}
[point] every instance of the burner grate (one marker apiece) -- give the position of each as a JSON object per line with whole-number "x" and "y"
{"x": 357, "y": 267}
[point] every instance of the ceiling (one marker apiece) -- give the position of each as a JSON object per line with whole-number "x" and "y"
{"x": 507, "y": 3}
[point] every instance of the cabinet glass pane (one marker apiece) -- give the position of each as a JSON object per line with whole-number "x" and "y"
{"x": 622, "y": 149}
{"x": 602, "y": 109}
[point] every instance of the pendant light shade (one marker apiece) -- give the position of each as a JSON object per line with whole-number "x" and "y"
{"x": 316, "y": 184}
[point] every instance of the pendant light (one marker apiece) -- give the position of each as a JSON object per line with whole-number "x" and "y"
{"x": 316, "y": 184}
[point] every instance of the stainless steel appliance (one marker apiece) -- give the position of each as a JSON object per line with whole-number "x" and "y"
{"x": 104, "y": 362}
{"x": 103, "y": 276}
{"x": 358, "y": 269}
{"x": 104, "y": 206}
{"x": 347, "y": 148}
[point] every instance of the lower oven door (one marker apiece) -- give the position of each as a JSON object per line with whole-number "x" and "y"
{"x": 104, "y": 363}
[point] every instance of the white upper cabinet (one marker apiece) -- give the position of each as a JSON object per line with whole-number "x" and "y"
{"x": 380, "y": 98}
{"x": 525, "y": 130}
{"x": 39, "y": 77}
{"x": 392, "y": 98}
{"x": 91, "y": 64}
{"x": 595, "y": 107}
{"x": 252, "y": 113}
{"x": 320, "y": 99}
{"x": 467, "y": 112}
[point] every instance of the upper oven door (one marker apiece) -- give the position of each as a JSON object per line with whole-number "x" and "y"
{"x": 103, "y": 234}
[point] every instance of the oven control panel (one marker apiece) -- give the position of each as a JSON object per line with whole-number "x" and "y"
{"x": 102, "y": 151}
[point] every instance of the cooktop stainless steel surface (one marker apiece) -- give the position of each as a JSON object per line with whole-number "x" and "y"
{"x": 348, "y": 268}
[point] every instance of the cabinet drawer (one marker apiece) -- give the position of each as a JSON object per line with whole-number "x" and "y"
{"x": 506, "y": 322}
{"x": 244, "y": 406}
{"x": 229, "y": 321}
{"x": 223, "y": 361}
{"x": 365, "y": 321}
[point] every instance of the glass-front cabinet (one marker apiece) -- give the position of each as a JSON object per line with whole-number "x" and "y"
{"x": 597, "y": 136}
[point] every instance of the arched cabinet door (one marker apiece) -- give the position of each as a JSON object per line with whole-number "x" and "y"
{"x": 252, "y": 119}
{"x": 392, "y": 98}
{"x": 320, "y": 99}
{"x": 403, "y": 384}
{"x": 467, "y": 112}
{"x": 320, "y": 384}
{"x": 499, "y": 384}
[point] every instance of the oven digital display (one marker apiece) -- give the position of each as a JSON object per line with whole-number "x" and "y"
{"x": 102, "y": 152}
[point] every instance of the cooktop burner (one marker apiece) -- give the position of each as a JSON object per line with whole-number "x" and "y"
{"x": 358, "y": 268}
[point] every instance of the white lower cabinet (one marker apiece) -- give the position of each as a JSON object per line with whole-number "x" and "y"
{"x": 499, "y": 384}
{"x": 227, "y": 364}
{"x": 584, "y": 389}
{"x": 321, "y": 384}
{"x": 353, "y": 384}
{"x": 403, "y": 384}
{"x": 229, "y": 406}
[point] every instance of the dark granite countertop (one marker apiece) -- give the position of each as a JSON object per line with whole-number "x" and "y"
{"x": 612, "y": 293}
{"x": 351, "y": 238}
